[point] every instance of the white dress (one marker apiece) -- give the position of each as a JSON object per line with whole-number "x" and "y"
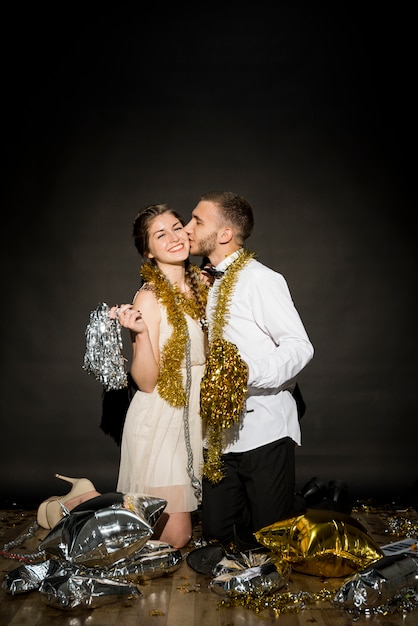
{"x": 154, "y": 454}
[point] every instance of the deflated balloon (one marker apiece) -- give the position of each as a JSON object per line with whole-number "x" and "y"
{"x": 85, "y": 592}
{"x": 379, "y": 583}
{"x": 67, "y": 585}
{"x": 258, "y": 580}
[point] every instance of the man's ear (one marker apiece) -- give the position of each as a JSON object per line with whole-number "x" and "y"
{"x": 226, "y": 235}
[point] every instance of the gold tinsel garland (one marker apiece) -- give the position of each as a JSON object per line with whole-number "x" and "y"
{"x": 170, "y": 382}
{"x": 280, "y": 602}
{"x": 224, "y": 383}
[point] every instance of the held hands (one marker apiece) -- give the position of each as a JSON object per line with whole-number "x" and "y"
{"x": 128, "y": 317}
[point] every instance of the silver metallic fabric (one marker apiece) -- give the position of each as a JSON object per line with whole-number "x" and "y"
{"x": 379, "y": 582}
{"x": 30, "y": 577}
{"x": 155, "y": 561}
{"x": 85, "y": 592}
{"x": 258, "y": 577}
{"x": 98, "y": 557}
{"x": 115, "y": 540}
{"x": 104, "y": 537}
{"x": 103, "y": 357}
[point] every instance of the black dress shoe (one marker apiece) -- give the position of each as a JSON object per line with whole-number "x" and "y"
{"x": 203, "y": 560}
{"x": 338, "y": 497}
{"x": 244, "y": 540}
{"x": 313, "y": 492}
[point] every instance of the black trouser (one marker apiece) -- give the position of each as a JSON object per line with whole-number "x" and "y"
{"x": 258, "y": 489}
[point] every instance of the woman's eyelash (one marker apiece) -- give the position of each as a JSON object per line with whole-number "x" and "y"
{"x": 175, "y": 228}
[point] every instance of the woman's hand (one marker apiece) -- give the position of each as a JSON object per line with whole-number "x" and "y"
{"x": 144, "y": 364}
{"x": 128, "y": 317}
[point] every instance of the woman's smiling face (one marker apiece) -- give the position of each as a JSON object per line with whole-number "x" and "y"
{"x": 168, "y": 242}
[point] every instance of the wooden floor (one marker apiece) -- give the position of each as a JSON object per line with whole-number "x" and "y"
{"x": 183, "y": 598}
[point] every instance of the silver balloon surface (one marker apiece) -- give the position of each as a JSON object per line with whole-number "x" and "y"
{"x": 379, "y": 582}
{"x": 97, "y": 538}
{"x": 85, "y": 592}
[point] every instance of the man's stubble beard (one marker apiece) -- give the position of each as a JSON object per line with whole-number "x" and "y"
{"x": 206, "y": 246}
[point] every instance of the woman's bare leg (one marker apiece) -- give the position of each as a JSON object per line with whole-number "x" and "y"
{"x": 174, "y": 529}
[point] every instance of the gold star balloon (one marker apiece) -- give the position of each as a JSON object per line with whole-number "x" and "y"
{"x": 321, "y": 543}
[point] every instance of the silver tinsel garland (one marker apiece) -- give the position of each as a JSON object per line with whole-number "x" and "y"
{"x": 103, "y": 357}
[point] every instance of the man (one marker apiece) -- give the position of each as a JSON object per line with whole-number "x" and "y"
{"x": 257, "y": 348}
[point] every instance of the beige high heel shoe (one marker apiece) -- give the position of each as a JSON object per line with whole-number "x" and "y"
{"x": 52, "y": 510}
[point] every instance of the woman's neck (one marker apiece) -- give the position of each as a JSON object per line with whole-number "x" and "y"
{"x": 176, "y": 275}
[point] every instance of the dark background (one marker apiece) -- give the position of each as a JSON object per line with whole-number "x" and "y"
{"x": 307, "y": 111}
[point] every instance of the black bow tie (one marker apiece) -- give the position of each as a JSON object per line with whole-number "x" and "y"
{"x": 213, "y": 272}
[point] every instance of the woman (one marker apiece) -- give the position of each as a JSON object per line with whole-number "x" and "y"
{"x": 161, "y": 448}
